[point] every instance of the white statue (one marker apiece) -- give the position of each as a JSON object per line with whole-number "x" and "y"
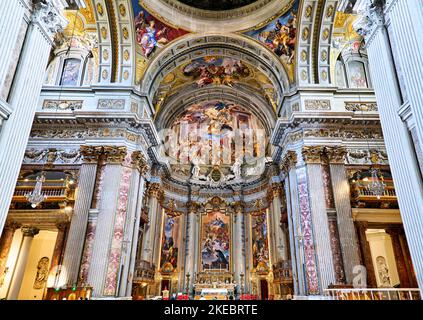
{"x": 196, "y": 168}
{"x": 236, "y": 168}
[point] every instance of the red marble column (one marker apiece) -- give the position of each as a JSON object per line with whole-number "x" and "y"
{"x": 366, "y": 256}
{"x": 407, "y": 257}
{"x": 56, "y": 259}
{"x": 5, "y": 244}
{"x": 335, "y": 243}
{"x": 399, "y": 257}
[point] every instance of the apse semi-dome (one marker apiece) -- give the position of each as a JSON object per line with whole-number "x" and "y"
{"x": 210, "y": 16}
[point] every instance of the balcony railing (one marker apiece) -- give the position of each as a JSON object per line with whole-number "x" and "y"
{"x": 373, "y": 294}
{"x": 361, "y": 196}
{"x": 54, "y": 190}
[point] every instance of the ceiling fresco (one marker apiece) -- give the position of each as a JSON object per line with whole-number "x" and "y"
{"x": 152, "y": 35}
{"x": 217, "y": 5}
{"x": 215, "y": 71}
{"x": 208, "y": 126}
{"x": 280, "y": 36}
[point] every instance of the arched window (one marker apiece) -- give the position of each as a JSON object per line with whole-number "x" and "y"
{"x": 340, "y": 76}
{"x": 71, "y": 72}
{"x": 352, "y": 69}
{"x": 357, "y": 77}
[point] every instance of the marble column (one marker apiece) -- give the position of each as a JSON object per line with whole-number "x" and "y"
{"x": 238, "y": 250}
{"x": 338, "y": 263}
{"x": 402, "y": 158}
{"x": 45, "y": 22}
{"x": 104, "y": 268}
{"x": 23, "y": 98}
{"x": 78, "y": 226}
{"x": 143, "y": 169}
{"x": 58, "y": 250}
{"x": 11, "y": 19}
{"x": 346, "y": 228}
{"x": 320, "y": 225}
{"x": 366, "y": 255}
{"x": 280, "y": 248}
{"x": 399, "y": 257}
{"x": 153, "y": 192}
{"x": 288, "y": 167}
{"x": 410, "y": 268}
{"x": 88, "y": 247}
{"x": 158, "y": 230}
{"x": 5, "y": 244}
{"x": 28, "y": 235}
{"x": 406, "y": 15}
{"x": 190, "y": 243}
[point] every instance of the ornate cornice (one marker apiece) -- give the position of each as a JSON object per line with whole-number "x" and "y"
{"x": 312, "y": 154}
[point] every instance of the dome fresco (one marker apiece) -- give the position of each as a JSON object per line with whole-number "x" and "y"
{"x": 217, "y": 5}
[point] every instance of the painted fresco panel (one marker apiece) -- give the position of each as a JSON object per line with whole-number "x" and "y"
{"x": 215, "y": 241}
{"x": 170, "y": 240}
{"x": 260, "y": 242}
{"x": 280, "y": 36}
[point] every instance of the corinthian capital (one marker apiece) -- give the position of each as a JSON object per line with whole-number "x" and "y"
{"x": 115, "y": 155}
{"x": 139, "y": 162}
{"x": 154, "y": 190}
{"x": 90, "y": 154}
{"x": 290, "y": 161}
{"x": 336, "y": 155}
{"x": 48, "y": 16}
{"x": 312, "y": 154}
{"x": 370, "y": 16}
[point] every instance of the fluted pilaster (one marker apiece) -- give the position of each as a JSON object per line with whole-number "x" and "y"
{"x": 78, "y": 226}
{"x": 24, "y": 98}
{"x": 11, "y": 20}
{"x": 135, "y": 235}
{"x": 190, "y": 242}
{"x": 238, "y": 249}
{"x": 107, "y": 246}
{"x": 402, "y": 159}
{"x": 346, "y": 229}
{"x": 320, "y": 225}
{"x": 131, "y": 227}
{"x": 153, "y": 192}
